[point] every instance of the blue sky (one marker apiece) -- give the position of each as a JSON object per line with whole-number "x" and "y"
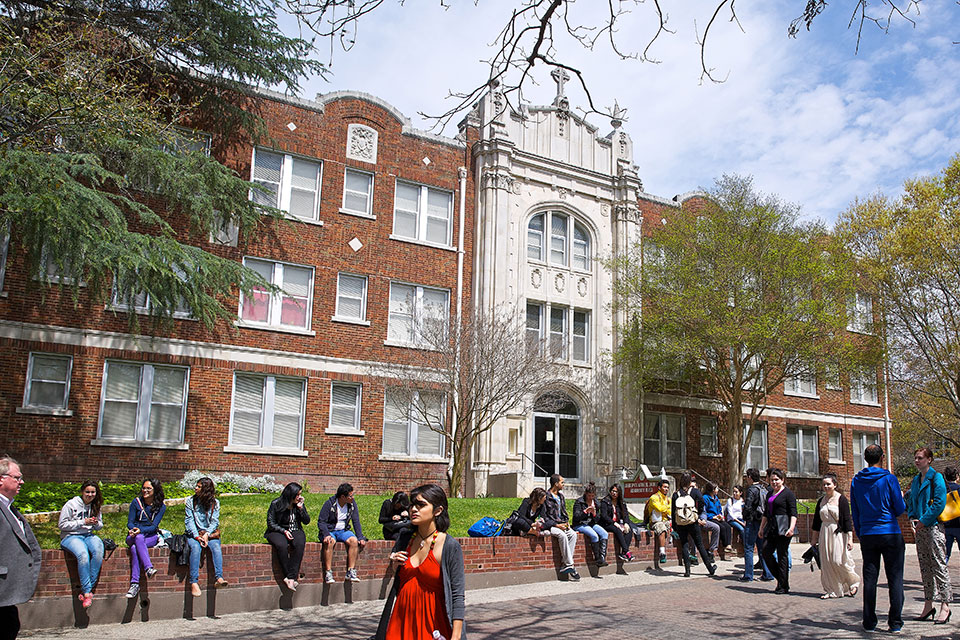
{"x": 808, "y": 118}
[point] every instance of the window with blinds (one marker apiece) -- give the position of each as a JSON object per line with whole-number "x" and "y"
{"x": 422, "y": 213}
{"x": 268, "y": 412}
{"x": 351, "y": 297}
{"x": 48, "y": 381}
{"x": 287, "y": 183}
{"x": 413, "y": 424}
{"x": 143, "y": 402}
{"x": 418, "y": 315}
{"x": 289, "y": 308}
{"x": 345, "y": 407}
{"x": 357, "y": 192}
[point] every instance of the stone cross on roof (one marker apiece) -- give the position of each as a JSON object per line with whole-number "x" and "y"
{"x": 560, "y": 76}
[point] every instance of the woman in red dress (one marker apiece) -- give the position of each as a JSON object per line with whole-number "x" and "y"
{"x": 428, "y": 591}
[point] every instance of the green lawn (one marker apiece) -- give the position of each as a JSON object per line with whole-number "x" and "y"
{"x": 243, "y": 519}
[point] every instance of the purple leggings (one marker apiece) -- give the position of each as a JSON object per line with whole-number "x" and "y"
{"x": 139, "y": 544}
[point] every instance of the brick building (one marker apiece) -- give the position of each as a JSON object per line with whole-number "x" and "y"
{"x": 294, "y": 388}
{"x": 388, "y": 224}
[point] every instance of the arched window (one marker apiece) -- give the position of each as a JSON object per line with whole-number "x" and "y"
{"x": 535, "y": 237}
{"x": 581, "y": 247}
{"x": 558, "y": 238}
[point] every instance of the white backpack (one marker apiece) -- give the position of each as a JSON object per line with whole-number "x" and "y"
{"x": 686, "y": 509}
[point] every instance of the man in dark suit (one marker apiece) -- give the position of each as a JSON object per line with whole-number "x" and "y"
{"x": 19, "y": 551}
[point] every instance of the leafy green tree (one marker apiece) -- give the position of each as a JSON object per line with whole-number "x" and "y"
{"x": 909, "y": 250}
{"x": 729, "y": 300}
{"x": 97, "y": 106}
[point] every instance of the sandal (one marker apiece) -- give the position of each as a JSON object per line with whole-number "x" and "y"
{"x": 853, "y": 592}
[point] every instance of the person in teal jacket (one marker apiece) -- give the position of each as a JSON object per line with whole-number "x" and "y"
{"x": 928, "y": 496}
{"x": 202, "y": 525}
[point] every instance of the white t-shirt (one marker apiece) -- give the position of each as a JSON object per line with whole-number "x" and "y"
{"x": 342, "y": 515}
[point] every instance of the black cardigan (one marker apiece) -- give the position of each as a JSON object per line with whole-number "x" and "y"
{"x": 606, "y": 513}
{"x": 525, "y": 520}
{"x": 391, "y": 527}
{"x": 846, "y": 520}
{"x": 582, "y": 519}
{"x": 778, "y": 513}
{"x": 278, "y": 522}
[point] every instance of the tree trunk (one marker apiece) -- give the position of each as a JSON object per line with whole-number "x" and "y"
{"x": 734, "y": 471}
{"x": 456, "y": 472}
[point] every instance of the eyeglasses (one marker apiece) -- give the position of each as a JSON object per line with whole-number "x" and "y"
{"x": 419, "y": 505}
{"x": 10, "y": 475}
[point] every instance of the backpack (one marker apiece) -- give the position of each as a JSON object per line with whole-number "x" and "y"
{"x": 762, "y": 502}
{"x": 686, "y": 508}
{"x": 485, "y": 527}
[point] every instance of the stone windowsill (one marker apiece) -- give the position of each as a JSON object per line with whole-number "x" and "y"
{"x": 44, "y": 411}
{"x": 266, "y": 451}
{"x": 139, "y": 444}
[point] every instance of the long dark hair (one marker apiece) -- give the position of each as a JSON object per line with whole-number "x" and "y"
{"x": 208, "y": 495}
{"x": 400, "y": 501}
{"x": 437, "y": 497}
{"x": 157, "y": 495}
{"x": 97, "y": 500}
{"x": 619, "y": 503}
{"x": 288, "y": 495}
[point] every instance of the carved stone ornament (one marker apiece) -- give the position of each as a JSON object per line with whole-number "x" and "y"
{"x": 559, "y": 283}
{"x": 498, "y": 180}
{"x": 536, "y": 278}
{"x": 605, "y": 210}
{"x": 628, "y": 211}
{"x": 563, "y": 192}
{"x": 362, "y": 143}
{"x": 582, "y": 287}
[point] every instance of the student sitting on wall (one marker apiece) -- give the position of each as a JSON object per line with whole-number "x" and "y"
{"x": 143, "y": 531}
{"x": 532, "y": 515}
{"x": 566, "y": 537}
{"x": 286, "y": 518}
{"x": 658, "y": 512}
{"x": 586, "y": 520}
{"x": 79, "y": 518}
{"x": 337, "y": 515}
{"x": 395, "y": 516}
{"x": 615, "y": 519}
{"x": 202, "y": 523}
{"x": 720, "y": 531}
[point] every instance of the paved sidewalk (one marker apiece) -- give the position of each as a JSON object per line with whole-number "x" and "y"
{"x": 641, "y": 605}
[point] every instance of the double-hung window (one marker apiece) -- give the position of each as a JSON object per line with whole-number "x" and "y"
{"x": 423, "y": 213}
{"x": 351, "y": 297}
{"x": 581, "y": 335}
{"x": 289, "y": 183}
{"x": 418, "y": 315}
{"x": 535, "y": 237}
{"x": 267, "y": 412}
{"x": 566, "y": 327}
{"x": 581, "y": 248}
{"x": 143, "y": 402}
{"x": 407, "y": 420}
{"x": 863, "y": 387}
{"x": 565, "y": 249}
{"x": 860, "y": 313}
{"x": 291, "y": 307}
{"x": 836, "y": 446}
{"x": 534, "y": 327}
{"x": 862, "y": 440}
{"x": 664, "y": 440}
{"x": 757, "y": 451}
{"x": 559, "y": 228}
{"x": 357, "y": 192}
{"x": 345, "y": 407}
{"x": 708, "y": 436}
{"x": 558, "y": 333}
{"x": 48, "y": 382}
{"x": 802, "y": 451}
{"x": 140, "y": 301}
{"x": 804, "y": 383}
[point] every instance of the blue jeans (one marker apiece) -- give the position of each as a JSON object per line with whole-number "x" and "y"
{"x": 88, "y": 550}
{"x": 750, "y": 540}
{"x": 737, "y": 527}
{"x": 890, "y": 548}
{"x": 952, "y": 535}
{"x": 215, "y": 553}
{"x": 592, "y": 534}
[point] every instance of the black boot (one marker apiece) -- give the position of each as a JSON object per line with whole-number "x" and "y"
{"x": 600, "y": 553}
{"x": 686, "y": 566}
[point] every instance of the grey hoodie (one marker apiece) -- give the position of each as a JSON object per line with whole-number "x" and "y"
{"x": 72, "y": 516}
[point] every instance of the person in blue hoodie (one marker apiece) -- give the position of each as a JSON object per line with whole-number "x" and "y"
{"x": 928, "y": 497}
{"x": 876, "y": 502}
{"x": 143, "y": 530}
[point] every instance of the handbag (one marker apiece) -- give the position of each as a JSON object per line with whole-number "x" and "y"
{"x": 214, "y": 535}
{"x": 509, "y": 523}
{"x": 951, "y": 511}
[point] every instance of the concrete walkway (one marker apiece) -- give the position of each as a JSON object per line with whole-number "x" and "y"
{"x": 639, "y": 605}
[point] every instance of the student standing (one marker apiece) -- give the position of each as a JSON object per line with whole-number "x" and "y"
{"x": 876, "y": 502}
{"x": 777, "y": 528}
{"x": 685, "y": 511}
{"x": 928, "y": 496}
{"x": 754, "y": 504}
{"x": 832, "y": 529}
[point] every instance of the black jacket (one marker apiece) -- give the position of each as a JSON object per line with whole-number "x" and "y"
{"x": 392, "y": 528}
{"x": 327, "y": 520}
{"x": 846, "y": 520}
{"x": 279, "y": 522}
{"x": 697, "y": 498}
{"x": 582, "y": 519}
{"x": 607, "y": 509}
{"x": 525, "y": 519}
{"x": 779, "y": 512}
{"x": 753, "y": 506}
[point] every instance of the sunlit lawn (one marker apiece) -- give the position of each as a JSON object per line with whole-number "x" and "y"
{"x": 243, "y": 519}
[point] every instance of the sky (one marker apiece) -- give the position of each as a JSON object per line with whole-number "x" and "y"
{"x": 811, "y": 119}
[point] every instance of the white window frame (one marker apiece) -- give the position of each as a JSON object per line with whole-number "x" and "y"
{"x": 585, "y": 337}
{"x": 357, "y": 410}
{"x": 267, "y": 415}
{"x": 662, "y": 441}
{"x": 565, "y": 250}
{"x": 417, "y": 316}
{"x": 861, "y": 438}
{"x": 861, "y": 389}
{"x": 544, "y": 337}
{"x": 368, "y": 213}
{"x": 831, "y": 376}
{"x": 709, "y": 424}
{"x": 276, "y": 300}
{"x": 794, "y": 385}
{"x": 61, "y": 409}
{"x": 860, "y": 312}
{"x": 144, "y": 403}
{"x": 830, "y": 438}
{"x": 764, "y": 429}
{"x": 413, "y": 428}
{"x": 338, "y": 316}
{"x": 535, "y": 336}
{"x": 422, "y": 214}
{"x": 803, "y": 430}
{"x": 559, "y": 343}
{"x": 579, "y": 247}
{"x": 182, "y": 311}
{"x": 285, "y": 186}
{"x": 544, "y": 219}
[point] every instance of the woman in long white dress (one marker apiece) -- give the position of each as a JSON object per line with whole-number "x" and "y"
{"x": 833, "y": 530}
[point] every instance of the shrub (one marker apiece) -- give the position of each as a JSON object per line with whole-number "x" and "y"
{"x": 232, "y": 482}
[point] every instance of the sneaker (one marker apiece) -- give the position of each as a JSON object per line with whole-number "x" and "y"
{"x": 86, "y": 600}
{"x": 151, "y": 572}
{"x": 291, "y": 585}
{"x": 574, "y": 575}
{"x": 134, "y": 590}
{"x": 663, "y": 558}
{"x": 896, "y": 629}
{"x": 628, "y": 556}
{"x": 328, "y": 577}
{"x": 744, "y": 579}
{"x": 352, "y": 575}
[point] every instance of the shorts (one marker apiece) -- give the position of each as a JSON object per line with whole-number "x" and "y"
{"x": 342, "y": 535}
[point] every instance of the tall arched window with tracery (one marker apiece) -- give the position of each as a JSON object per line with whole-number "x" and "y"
{"x": 550, "y": 233}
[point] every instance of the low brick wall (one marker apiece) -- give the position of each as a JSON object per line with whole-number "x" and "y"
{"x": 255, "y": 578}
{"x": 804, "y": 521}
